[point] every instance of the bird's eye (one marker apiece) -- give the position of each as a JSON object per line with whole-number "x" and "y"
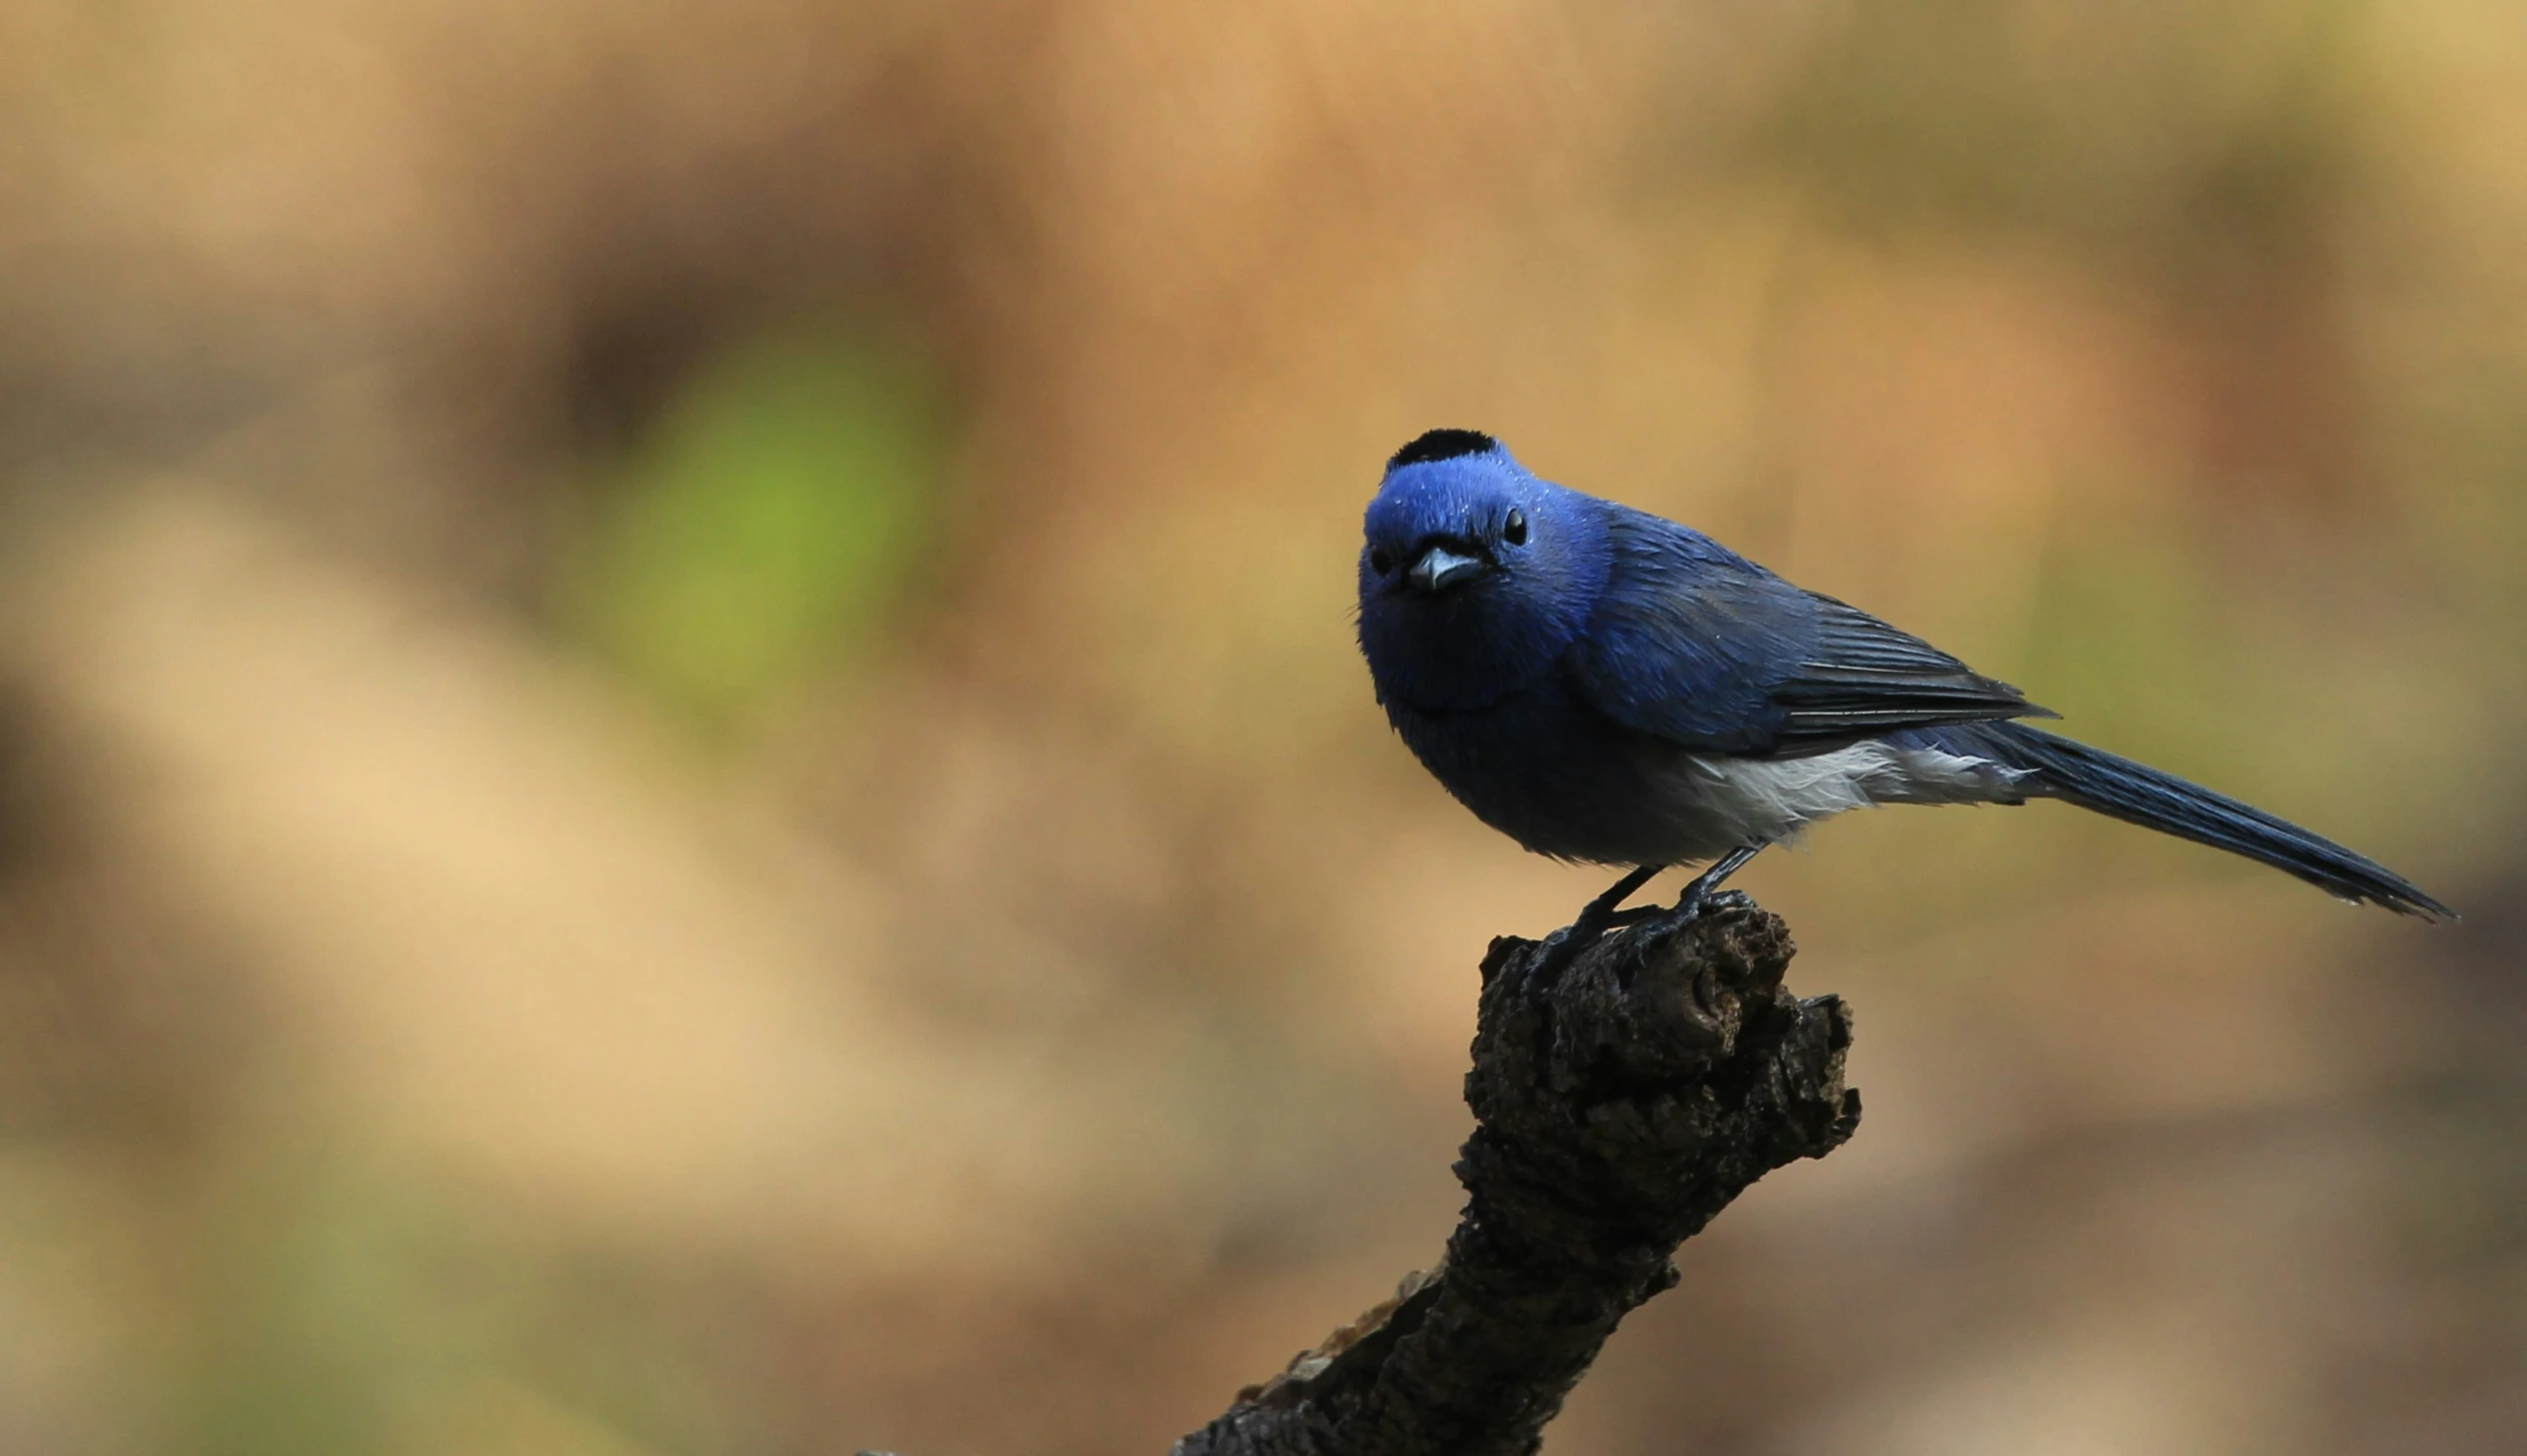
{"x": 1380, "y": 562}
{"x": 1514, "y": 530}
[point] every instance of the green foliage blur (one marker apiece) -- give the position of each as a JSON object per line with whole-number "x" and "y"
{"x": 761, "y": 532}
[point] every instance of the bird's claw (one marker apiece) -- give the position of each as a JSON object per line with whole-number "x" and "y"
{"x": 1602, "y": 916}
{"x": 1595, "y": 919}
{"x": 1673, "y": 919}
{"x": 1563, "y": 946}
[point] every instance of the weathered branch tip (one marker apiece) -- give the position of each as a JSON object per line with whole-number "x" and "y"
{"x": 1622, "y": 1096}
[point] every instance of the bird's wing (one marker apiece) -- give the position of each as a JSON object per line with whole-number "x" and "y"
{"x": 1862, "y": 677}
{"x": 1695, "y": 644}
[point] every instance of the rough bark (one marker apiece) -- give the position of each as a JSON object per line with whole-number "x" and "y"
{"x": 1622, "y": 1095}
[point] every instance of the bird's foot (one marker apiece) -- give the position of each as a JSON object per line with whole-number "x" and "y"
{"x": 1594, "y": 921}
{"x": 1703, "y": 892}
{"x": 1606, "y": 912}
{"x": 1666, "y": 920}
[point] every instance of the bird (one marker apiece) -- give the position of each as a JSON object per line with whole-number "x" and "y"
{"x": 1606, "y": 686}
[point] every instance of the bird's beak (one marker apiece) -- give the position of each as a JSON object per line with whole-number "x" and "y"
{"x": 1441, "y": 569}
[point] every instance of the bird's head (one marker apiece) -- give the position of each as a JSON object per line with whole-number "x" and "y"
{"x": 1474, "y": 575}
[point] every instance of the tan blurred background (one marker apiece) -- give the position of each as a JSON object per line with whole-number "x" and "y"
{"x": 681, "y": 768}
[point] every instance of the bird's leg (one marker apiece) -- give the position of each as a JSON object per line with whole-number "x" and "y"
{"x": 1596, "y": 912}
{"x": 1593, "y": 919}
{"x": 1696, "y": 894}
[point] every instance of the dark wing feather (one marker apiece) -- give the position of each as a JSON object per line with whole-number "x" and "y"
{"x": 1695, "y": 644}
{"x": 1862, "y": 677}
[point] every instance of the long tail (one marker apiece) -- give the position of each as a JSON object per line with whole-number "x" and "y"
{"x": 2141, "y": 795}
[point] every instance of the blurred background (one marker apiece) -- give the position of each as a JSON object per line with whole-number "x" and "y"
{"x": 682, "y": 769}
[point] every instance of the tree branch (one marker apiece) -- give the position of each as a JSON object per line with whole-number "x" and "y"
{"x": 1623, "y": 1097}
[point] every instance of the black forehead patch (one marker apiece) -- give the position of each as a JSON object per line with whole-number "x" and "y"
{"x": 1432, "y": 445}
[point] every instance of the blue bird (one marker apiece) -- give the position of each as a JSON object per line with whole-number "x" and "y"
{"x": 1607, "y": 685}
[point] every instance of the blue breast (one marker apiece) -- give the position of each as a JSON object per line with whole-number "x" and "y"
{"x": 1550, "y": 771}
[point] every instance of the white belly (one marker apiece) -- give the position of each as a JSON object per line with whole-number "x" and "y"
{"x": 1720, "y": 803}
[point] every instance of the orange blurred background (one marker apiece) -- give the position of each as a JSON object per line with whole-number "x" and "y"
{"x": 682, "y": 769}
